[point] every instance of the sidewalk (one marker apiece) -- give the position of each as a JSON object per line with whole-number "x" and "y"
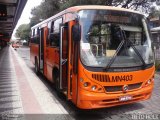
{"x": 21, "y": 91}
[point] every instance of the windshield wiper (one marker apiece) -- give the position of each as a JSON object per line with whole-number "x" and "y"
{"x": 114, "y": 56}
{"x": 135, "y": 49}
{"x": 137, "y": 52}
{"x": 117, "y": 51}
{"x": 124, "y": 41}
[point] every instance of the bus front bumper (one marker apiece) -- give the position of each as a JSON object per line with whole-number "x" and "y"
{"x": 91, "y": 100}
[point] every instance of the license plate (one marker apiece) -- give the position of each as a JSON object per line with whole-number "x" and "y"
{"x": 125, "y": 98}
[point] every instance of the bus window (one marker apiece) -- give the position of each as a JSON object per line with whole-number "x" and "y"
{"x": 56, "y": 25}
{"x": 32, "y": 33}
{"x": 52, "y": 27}
{"x": 35, "y": 36}
{"x": 55, "y": 33}
{"x": 35, "y": 31}
{"x": 32, "y": 36}
{"x": 104, "y": 33}
{"x": 49, "y": 31}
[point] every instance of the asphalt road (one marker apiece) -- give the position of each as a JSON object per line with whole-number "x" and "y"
{"x": 149, "y": 109}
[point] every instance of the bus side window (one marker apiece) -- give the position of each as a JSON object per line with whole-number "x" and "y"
{"x": 31, "y": 40}
{"x": 51, "y": 34}
{"x": 36, "y": 35}
{"x": 32, "y": 37}
{"x": 55, "y": 33}
{"x": 33, "y": 32}
{"x": 38, "y": 32}
{"x": 48, "y": 33}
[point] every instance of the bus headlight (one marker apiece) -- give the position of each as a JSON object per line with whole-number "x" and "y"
{"x": 149, "y": 82}
{"x": 81, "y": 79}
{"x": 93, "y": 87}
{"x": 86, "y": 84}
{"x": 90, "y": 86}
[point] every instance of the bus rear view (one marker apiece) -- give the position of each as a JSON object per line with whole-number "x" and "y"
{"x": 116, "y": 61}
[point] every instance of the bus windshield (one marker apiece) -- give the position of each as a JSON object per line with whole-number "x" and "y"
{"x": 108, "y": 34}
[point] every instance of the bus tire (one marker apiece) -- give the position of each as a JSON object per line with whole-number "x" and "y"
{"x": 55, "y": 78}
{"x": 56, "y": 84}
{"x": 36, "y": 67}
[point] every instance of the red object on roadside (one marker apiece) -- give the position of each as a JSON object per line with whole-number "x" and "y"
{"x": 15, "y": 45}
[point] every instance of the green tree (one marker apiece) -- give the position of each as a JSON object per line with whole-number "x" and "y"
{"x": 143, "y": 5}
{"x": 23, "y": 32}
{"x": 45, "y": 10}
{"x": 154, "y": 12}
{"x": 50, "y": 7}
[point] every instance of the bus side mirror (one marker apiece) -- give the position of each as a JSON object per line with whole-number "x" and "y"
{"x": 76, "y": 32}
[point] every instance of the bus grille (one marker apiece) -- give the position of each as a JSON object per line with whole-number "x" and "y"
{"x": 101, "y": 78}
{"x": 119, "y": 88}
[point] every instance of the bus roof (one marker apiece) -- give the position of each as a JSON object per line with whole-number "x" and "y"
{"x": 100, "y": 7}
{"x": 85, "y": 7}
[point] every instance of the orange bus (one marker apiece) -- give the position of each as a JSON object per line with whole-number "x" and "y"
{"x": 98, "y": 56}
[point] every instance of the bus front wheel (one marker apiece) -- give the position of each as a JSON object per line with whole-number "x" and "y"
{"x": 55, "y": 77}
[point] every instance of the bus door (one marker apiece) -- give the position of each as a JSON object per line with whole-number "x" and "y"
{"x": 63, "y": 58}
{"x": 73, "y": 63}
{"x": 41, "y": 52}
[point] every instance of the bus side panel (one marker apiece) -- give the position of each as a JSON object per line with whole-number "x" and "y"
{"x": 45, "y": 53}
{"x": 50, "y": 61}
{"x": 34, "y": 52}
{"x": 73, "y": 88}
